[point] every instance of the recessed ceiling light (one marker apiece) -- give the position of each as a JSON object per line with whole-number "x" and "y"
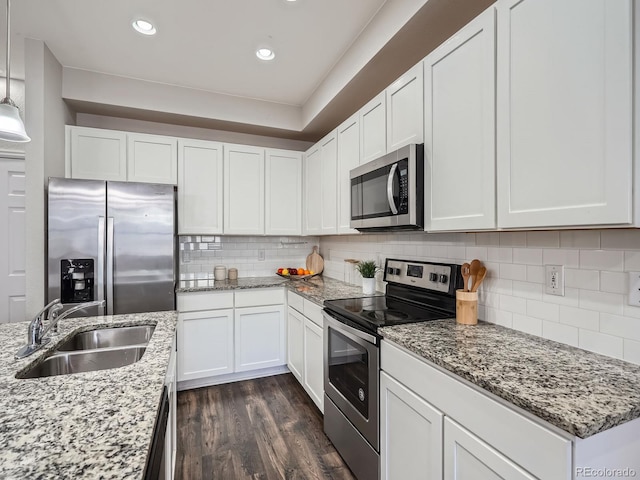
{"x": 265, "y": 54}
{"x": 144, "y": 27}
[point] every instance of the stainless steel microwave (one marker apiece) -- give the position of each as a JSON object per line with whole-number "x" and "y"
{"x": 388, "y": 193}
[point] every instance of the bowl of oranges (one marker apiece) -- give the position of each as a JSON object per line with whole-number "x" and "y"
{"x": 296, "y": 273}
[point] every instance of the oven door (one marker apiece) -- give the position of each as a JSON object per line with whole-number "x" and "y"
{"x": 351, "y": 375}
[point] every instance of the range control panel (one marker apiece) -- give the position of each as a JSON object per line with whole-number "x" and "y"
{"x": 431, "y": 276}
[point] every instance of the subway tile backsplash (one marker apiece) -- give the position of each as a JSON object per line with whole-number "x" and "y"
{"x": 252, "y": 256}
{"x": 593, "y": 314}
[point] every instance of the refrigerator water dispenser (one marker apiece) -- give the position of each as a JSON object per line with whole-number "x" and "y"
{"x": 76, "y": 280}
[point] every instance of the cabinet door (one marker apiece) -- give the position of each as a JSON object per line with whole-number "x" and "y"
{"x": 95, "y": 154}
{"x": 243, "y": 190}
{"x": 405, "y": 109}
{"x": 410, "y": 434}
{"x": 348, "y": 159}
{"x": 564, "y": 112}
{"x": 205, "y": 344}
{"x": 312, "y": 191}
{"x": 283, "y": 192}
{"x": 152, "y": 159}
{"x": 373, "y": 129}
{"x": 329, "y": 172}
{"x": 260, "y": 338}
{"x": 313, "y": 363}
{"x": 295, "y": 343}
{"x": 200, "y": 190}
{"x": 459, "y": 79}
{"x": 466, "y": 457}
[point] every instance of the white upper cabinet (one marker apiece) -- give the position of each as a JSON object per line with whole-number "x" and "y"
{"x": 348, "y": 159}
{"x": 283, "y": 192}
{"x": 243, "y": 190}
{"x": 373, "y": 129}
{"x": 200, "y": 187}
{"x": 564, "y": 112}
{"x": 459, "y": 98}
{"x": 329, "y": 169}
{"x": 312, "y": 216}
{"x": 152, "y": 158}
{"x": 96, "y": 154}
{"x": 405, "y": 109}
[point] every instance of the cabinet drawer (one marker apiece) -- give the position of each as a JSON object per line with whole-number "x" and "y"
{"x": 295, "y": 301}
{"x": 528, "y": 443}
{"x": 257, "y": 298}
{"x": 196, "y": 301}
{"x": 313, "y": 312}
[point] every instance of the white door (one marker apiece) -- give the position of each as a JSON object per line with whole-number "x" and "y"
{"x": 152, "y": 159}
{"x": 329, "y": 166}
{"x": 283, "y": 192}
{"x": 459, "y": 147}
{"x": 199, "y": 187}
{"x": 295, "y": 343}
{"x": 313, "y": 362}
{"x": 312, "y": 191}
{"x": 373, "y": 129}
{"x": 405, "y": 109}
{"x": 348, "y": 159}
{"x": 467, "y": 457}
{"x": 564, "y": 112}
{"x": 260, "y": 338}
{"x": 243, "y": 190}
{"x": 96, "y": 154}
{"x": 205, "y": 344}
{"x": 12, "y": 240}
{"x": 410, "y": 434}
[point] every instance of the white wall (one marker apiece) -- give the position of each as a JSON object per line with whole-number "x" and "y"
{"x": 593, "y": 314}
{"x": 46, "y": 115}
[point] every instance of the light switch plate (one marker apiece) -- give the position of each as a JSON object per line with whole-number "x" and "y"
{"x": 261, "y": 255}
{"x": 554, "y": 280}
{"x": 634, "y": 289}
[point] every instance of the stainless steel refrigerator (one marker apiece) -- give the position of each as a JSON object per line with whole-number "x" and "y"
{"x": 112, "y": 241}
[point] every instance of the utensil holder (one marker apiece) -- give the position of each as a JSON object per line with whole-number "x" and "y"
{"x": 466, "y": 307}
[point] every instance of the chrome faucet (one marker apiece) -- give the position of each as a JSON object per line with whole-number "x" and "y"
{"x": 37, "y": 330}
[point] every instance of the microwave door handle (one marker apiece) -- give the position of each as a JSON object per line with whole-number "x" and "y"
{"x": 392, "y": 203}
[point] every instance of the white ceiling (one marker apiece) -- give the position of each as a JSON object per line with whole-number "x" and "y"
{"x": 202, "y": 44}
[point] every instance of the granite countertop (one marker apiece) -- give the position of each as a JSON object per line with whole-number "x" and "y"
{"x": 581, "y": 392}
{"x": 85, "y": 425}
{"x": 317, "y": 289}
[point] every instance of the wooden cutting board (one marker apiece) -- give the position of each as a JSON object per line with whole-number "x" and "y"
{"x": 315, "y": 261}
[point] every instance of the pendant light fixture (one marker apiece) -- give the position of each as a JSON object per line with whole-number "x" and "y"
{"x": 11, "y": 126}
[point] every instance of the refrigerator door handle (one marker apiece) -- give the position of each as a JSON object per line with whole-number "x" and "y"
{"x": 109, "y": 265}
{"x": 100, "y": 266}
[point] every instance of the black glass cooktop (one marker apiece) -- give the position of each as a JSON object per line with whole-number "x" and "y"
{"x": 384, "y": 311}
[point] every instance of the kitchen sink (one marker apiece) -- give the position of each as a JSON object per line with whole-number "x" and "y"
{"x": 108, "y": 337}
{"x": 84, "y": 361}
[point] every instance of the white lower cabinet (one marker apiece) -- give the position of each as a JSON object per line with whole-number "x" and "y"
{"x": 410, "y": 433}
{"x": 259, "y": 337}
{"x": 305, "y": 346}
{"x": 227, "y": 336}
{"x": 171, "y": 435}
{"x": 466, "y": 457}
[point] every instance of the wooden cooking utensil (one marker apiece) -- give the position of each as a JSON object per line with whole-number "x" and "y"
{"x": 479, "y": 278}
{"x": 474, "y": 269}
{"x": 465, "y": 276}
{"x": 315, "y": 261}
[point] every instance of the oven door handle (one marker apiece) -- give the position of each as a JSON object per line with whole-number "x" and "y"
{"x": 392, "y": 203}
{"x": 350, "y": 331}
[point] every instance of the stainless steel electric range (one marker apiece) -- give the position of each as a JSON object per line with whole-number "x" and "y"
{"x": 416, "y": 292}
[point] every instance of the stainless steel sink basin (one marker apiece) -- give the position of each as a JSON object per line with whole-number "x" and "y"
{"x": 87, "y": 361}
{"x": 108, "y": 337}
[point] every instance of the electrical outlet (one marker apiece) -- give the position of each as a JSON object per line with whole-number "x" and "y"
{"x": 554, "y": 279}
{"x": 261, "y": 255}
{"x": 634, "y": 289}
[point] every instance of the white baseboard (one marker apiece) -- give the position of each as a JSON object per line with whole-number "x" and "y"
{"x": 231, "y": 377}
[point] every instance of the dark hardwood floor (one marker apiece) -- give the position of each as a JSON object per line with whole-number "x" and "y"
{"x": 266, "y": 428}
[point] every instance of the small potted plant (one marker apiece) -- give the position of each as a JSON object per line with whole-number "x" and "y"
{"x": 368, "y": 270}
